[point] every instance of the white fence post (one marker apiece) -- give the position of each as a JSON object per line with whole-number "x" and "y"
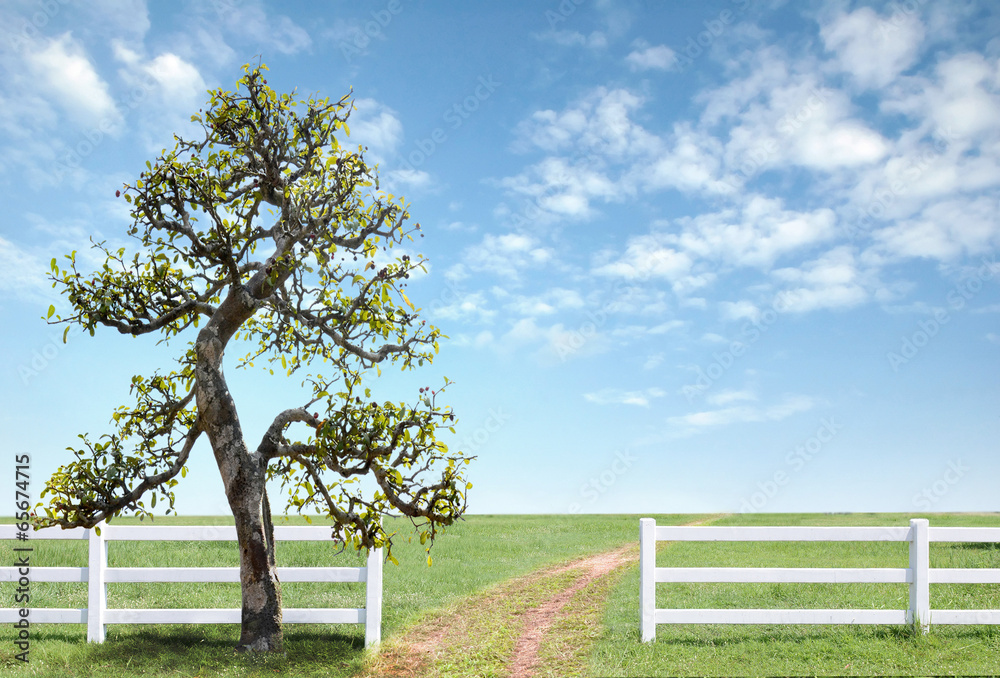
{"x": 647, "y": 578}
{"x": 373, "y": 598}
{"x": 920, "y": 590}
{"x": 97, "y": 588}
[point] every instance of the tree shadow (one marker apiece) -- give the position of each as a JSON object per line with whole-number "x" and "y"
{"x": 194, "y": 649}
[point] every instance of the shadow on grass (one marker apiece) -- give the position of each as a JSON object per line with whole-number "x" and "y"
{"x": 195, "y": 650}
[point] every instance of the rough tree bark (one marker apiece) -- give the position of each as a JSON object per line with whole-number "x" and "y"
{"x": 243, "y": 477}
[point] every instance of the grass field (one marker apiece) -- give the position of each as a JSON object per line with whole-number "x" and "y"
{"x": 485, "y": 551}
{"x": 469, "y": 557}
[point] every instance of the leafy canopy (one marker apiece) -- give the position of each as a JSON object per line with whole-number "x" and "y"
{"x": 265, "y": 231}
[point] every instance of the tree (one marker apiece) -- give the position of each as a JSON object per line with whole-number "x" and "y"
{"x": 200, "y": 271}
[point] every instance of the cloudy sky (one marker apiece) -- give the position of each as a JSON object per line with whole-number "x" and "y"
{"x": 691, "y": 256}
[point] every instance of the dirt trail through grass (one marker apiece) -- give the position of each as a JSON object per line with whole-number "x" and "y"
{"x": 540, "y": 624}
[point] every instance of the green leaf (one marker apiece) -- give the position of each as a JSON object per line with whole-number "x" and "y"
{"x": 52, "y": 309}
{"x": 65, "y": 332}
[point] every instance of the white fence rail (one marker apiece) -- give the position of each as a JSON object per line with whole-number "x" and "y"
{"x": 918, "y": 575}
{"x": 97, "y": 575}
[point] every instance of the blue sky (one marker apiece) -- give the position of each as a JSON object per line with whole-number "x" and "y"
{"x": 691, "y": 256}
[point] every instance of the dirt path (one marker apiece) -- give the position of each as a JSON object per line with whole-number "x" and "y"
{"x": 538, "y": 621}
{"x": 451, "y": 642}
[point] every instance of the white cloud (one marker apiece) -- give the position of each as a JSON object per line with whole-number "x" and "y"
{"x": 799, "y": 122}
{"x": 181, "y": 85}
{"x": 376, "y": 126}
{"x": 614, "y": 396}
{"x": 757, "y": 235}
{"x": 831, "y": 281}
{"x": 961, "y": 100}
{"x": 554, "y": 344}
{"x": 944, "y": 230}
{"x": 506, "y": 254}
{"x": 648, "y": 256}
{"x": 549, "y": 302}
{"x": 24, "y": 274}
{"x": 689, "y": 162}
{"x": 469, "y": 307}
{"x": 730, "y": 396}
{"x": 64, "y": 71}
{"x": 250, "y": 20}
{"x": 739, "y": 310}
{"x": 598, "y": 123}
{"x": 410, "y": 177}
{"x": 874, "y": 49}
{"x": 666, "y": 327}
{"x": 656, "y": 57}
{"x": 563, "y": 188}
{"x": 745, "y": 413}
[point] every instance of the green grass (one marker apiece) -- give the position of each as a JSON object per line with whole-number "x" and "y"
{"x": 473, "y": 559}
{"x": 802, "y": 649}
{"x": 468, "y": 558}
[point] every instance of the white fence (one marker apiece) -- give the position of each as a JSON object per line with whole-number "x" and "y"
{"x": 97, "y": 575}
{"x": 919, "y": 575}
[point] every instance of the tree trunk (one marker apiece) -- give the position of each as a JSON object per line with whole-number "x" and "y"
{"x": 261, "y": 591}
{"x": 243, "y": 476}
